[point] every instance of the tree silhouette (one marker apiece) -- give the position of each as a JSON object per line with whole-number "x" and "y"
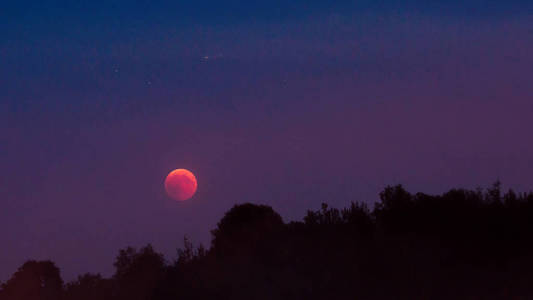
{"x": 245, "y": 227}
{"x": 463, "y": 244}
{"x": 137, "y": 272}
{"x": 34, "y": 280}
{"x": 89, "y": 287}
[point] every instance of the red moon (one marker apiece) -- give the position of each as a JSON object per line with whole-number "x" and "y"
{"x": 180, "y": 184}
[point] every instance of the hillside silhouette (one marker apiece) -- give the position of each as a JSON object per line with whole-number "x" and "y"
{"x": 463, "y": 244}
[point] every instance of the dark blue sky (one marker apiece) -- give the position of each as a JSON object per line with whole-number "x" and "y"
{"x": 287, "y": 103}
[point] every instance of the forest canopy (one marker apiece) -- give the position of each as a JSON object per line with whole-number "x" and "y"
{"x": 463, "y": 244}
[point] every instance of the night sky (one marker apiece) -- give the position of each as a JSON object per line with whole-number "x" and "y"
{"x": 285, "y": 104}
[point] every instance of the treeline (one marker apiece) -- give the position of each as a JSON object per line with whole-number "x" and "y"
{"x": 463, "y": 244}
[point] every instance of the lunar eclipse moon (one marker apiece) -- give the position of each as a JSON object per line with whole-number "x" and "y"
{"x": 180, "y": 184}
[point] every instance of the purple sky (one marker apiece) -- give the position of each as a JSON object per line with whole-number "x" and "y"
{"x": 326, "y": 107}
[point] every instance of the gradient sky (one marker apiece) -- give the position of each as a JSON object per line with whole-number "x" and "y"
{"x": 286, "y": 104}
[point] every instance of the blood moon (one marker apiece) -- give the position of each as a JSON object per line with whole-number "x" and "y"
{"x": 180, "y": 184}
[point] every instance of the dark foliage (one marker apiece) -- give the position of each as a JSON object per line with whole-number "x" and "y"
{"x": 137, "y": 273}
{"x": 33, "y": 280}
{"x": 90, "y": 287}
{"x": 460, "y": 245}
